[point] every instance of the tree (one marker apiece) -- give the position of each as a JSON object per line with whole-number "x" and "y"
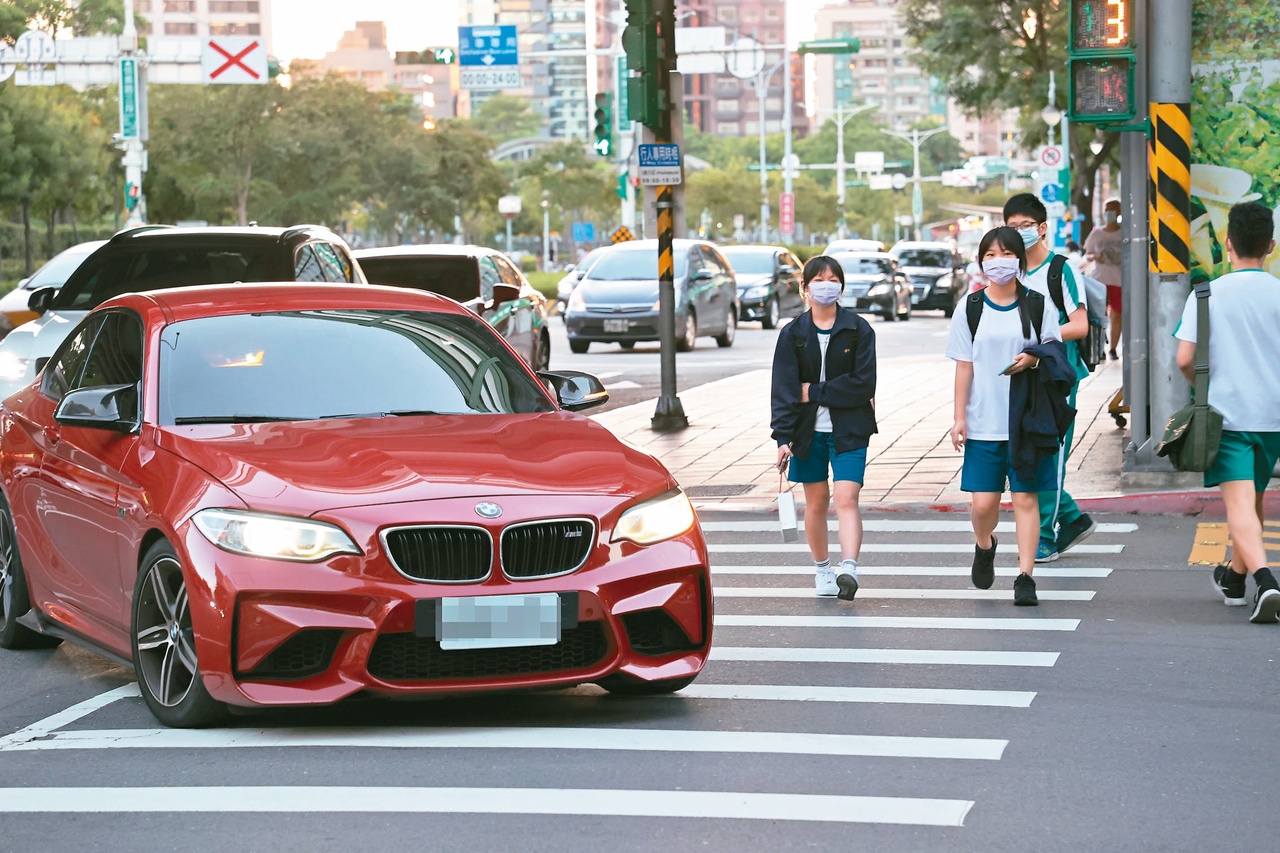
{"x": 995, "y": 54}
{"x": 83, "y": 18}
{"x": 505, "y": 117}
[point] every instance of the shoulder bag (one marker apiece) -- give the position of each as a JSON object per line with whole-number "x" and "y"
{"x": 1192, "y": 435}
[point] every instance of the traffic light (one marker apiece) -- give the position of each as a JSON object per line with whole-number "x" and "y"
{"x": 132, "y": 192}
{"x": 1101, "y": 61}
{"x": 647, "y": 90}
{"x": 603, "y": 128}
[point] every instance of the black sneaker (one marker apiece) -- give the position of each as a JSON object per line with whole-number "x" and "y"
{"x": 983, "y": 573}
{"x": 1230, "y": 584}
{"x": 1266, "y": 606}
{"x": 1024, "y": 591}
{"x": 848, "y": 586}
{"x": 1073, "y": 533}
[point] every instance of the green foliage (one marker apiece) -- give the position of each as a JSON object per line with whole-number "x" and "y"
{"x": 504, "y": 117}
{"x": 82, "y": 18}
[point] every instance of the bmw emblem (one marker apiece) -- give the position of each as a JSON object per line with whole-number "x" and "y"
{"x": 485, "y": 509}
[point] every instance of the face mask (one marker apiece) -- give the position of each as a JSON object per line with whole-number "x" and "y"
{"x": 1030, "y": 236}
{"x": 1001, "y": 270}
{"x": 825, "y": 292}
{"x": 1110, "y": 217}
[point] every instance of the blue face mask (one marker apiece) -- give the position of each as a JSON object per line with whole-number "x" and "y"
{"x": 1030, "y": 236}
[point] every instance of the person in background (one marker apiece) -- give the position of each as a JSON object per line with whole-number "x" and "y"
{"x": 1075, "y": 257}
{"x": 823, "y": 417}
{"x": 1062, "y": 524}
{"x": 1103, "y": 247}
{"x": 1244, "y": 387}
{"x": 985, "y": 359}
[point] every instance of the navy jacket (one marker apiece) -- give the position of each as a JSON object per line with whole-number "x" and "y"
{"x": 847, "y": 392}
{"x": 1039, "y": 415}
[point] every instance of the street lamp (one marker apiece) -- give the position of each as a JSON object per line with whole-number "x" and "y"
{"x": 546, "y": 233}
{"x": 915, "y": 137}
{"x": 1051, "y": 114}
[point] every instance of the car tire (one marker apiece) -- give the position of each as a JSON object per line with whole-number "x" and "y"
{"x": 906, "y": 315}
{"x": 542, "y": 354}
{"x": 578, "y": 347}
{"x": 627, "y": 345}
{"x": 623, "y": 686}
{"x": 689, "y": 339}
{"x": 163, "y": 642}
{"x": 947, "y": 312}
{"x": 15, "y": 601}
{"x": 772, "y": 314}
{"x": 725, "y": 338}
{"x": 890, "y": 314}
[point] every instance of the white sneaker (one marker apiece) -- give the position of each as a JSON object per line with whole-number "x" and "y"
{"x": 847, "y": 580}
{"x": 825, "y": 583}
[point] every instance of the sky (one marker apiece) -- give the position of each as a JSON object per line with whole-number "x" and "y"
{"x": 309, "y": 29}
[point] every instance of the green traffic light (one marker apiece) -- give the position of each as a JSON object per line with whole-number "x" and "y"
{"x": 603, "y": 129}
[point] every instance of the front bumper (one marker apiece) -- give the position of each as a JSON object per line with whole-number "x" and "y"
{"x": 276, "y": 633}
{"x": 629, "y": 326}
{"x": 871, "y": 305}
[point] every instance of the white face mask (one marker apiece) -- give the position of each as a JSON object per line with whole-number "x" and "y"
{"x": 1110, "y": 217}
{"x": 825, "y": 292}
{"x": 1030, "y": 236}
{"x": 1001, "y": 270}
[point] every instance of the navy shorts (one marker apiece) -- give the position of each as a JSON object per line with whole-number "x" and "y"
{"x": 850, "y": 465}
{"x": 987, "y": 468}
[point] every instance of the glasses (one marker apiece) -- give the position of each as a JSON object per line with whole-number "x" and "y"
{"x": 1019, "y": 224}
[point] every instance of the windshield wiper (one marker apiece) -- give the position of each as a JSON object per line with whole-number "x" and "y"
{"x": 235, "y": 419}
{"x": 397, "y": 413}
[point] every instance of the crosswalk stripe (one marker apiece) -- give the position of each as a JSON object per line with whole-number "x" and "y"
{"x": 914, "y": 571}
{"x": 907, "y": 594}
{"x": 874, "y": 695}
{"x": 909, "y": 811}
{"x": 42, "y": 728}
{"x": 944, "y": 657}
{"x": 956, "y": 623}
{"x": 891, "y": 548}
{"x": 894, "y": 526}
{"x": 605, "y": 739}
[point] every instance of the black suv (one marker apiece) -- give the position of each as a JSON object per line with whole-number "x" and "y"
{"x": 155, "y": 257}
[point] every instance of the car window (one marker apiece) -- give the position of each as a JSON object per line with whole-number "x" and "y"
{"x": 306, "y": 265}
{"x": 116, "y": 359}
{"x": 267, "y": 366}
{"x": 924, "y": 258}
{"x": 714, "y": 262}
{"x": 330, "y": 263}
{"x": 508, "y": 272}
{"x": 58, "y": 270}
{"x": 751, "y": 263}
{"x": 62, "y": 373}
{"x": 456, "y": 278}
{"x": 489, "y": 276}
{"x": 790, "y": 262}
{"x": 134, "y": 268}
{"x": 634, "y": 265}
{"x": 859, "y": 265}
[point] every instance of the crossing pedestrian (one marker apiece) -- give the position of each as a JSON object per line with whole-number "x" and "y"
{"x": 1244, "y": 387}
{"x": 1062, "y": 523}
{"x": 989, "y": 343}
{"x": 823, "y": 417}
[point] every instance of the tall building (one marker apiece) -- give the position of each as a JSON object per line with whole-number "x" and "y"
{"x": 204, "y": 18}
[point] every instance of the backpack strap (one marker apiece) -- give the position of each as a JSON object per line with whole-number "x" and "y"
{"x": 1030, "y": 310}
{"x": 1055, "y": 282}
{"x": 973, "y": 312}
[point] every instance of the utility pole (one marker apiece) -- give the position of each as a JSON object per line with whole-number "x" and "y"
{"x": 915, "y": 137}
{"x": 133, "y": 98}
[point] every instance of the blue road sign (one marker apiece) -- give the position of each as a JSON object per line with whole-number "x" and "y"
{"x": 656, "y": 155}
{"x": 584, "y": 232}
{"x": 488, "y": 46}
{"x": 1049, "y": 193}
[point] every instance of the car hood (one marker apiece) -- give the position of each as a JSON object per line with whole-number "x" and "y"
{"x": 753, "y": 280}
{"x": 629, "y": 292}
{"x": 932, "y": 272}
{"x": 306, "y": 467}
{"x": 866, "y": 278}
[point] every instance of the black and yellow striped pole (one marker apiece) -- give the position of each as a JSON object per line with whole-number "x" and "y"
{"x": 1169, "y": 188}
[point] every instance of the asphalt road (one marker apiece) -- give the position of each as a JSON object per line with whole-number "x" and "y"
{"x": 1130, "y": 711}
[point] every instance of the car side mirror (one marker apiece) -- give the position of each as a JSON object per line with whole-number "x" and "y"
{"x": 109, "y": 407}
{"x": 503, "y": 293}
{"x": 40, "y": 300}
{"x": 574, "y": 389}
{"x": 22, "y": 282}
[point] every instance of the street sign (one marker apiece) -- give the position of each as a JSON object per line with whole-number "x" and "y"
{"x": 622, "y": 235}
{"x": 489, "y": 78}
{"x": 509, "y": 205}
{"x": 869, "y": 161}
{"x": 621, "y": 98}
{"x": 584, "y": 232}
{"x": 791, "y": 166}
{"x": 444, "y": 55}
{"x": 8, "y": 62}
{"x": 830, "y": 46}
{"x": 959, "y": 178}
{"x": 1050, "y": 193}
{"x": 233, "y": 59}
{"x": 485, "y": 47}
{"x": 34, "y": 50}
{"x": 659, "y": 164}
{"x": 746, "y": 58}
{"x": 130, "y": 111}
{"x": 899, "y": 181}
{"x": 880, "y": 182}
{"x": 1050, "y": 156}
{"x": 787, "y": 213}
{"x": 1056, "y": 209}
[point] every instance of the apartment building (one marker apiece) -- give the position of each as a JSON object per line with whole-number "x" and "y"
{"x": 204, "y": 18}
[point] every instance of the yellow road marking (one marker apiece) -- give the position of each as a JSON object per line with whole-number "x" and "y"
{"x": 1212, "y": 541}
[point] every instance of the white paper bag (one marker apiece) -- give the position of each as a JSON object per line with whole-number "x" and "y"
{"x": 787, "y": 514}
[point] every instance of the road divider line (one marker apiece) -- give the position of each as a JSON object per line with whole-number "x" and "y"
{"x": 914, "y": 571}
{"x": 883, "y": 526}
{"x": 889, "y": 548}
{"x": 902, "y": 594}
{"x": 728, "y": 805}
{"x": 605, "y": 739}
{"x": 42, "y": 728}
{"x": 872, "y": 695}
{"x": 943, "y": 657}
{"x": 952, "y": 623}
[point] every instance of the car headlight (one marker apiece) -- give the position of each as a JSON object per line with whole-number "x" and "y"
{"x": 276, "y": 537}
{"x": 576, "y": 301}
{"x": 13, "y": 367}
{"x": 760, "y": 291}
{"x": 878, "y": 290}
{"x": 943, "y": 281}
{"x": 656, "y": 520}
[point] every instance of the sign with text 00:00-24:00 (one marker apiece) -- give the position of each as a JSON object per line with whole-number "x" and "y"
{"x": 489, "y": 78}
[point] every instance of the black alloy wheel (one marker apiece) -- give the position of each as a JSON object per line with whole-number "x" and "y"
{"x": 772, "y": 313}
{"x": 689, "y": 339}
{"x": 725, "y": 338}
{"x": 15, "y": 601}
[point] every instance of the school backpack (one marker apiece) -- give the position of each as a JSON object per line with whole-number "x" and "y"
{"x": 1030, "y": 310}
{"x": 1093, "y": 346}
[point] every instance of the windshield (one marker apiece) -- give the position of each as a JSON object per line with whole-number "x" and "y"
{"x": 307, "y": 365}
{"x": 750, "y": 263}
{"x": 633, "y": 264}
{"x": 57, "y": 271}
{"x": 856, "y": 265}
{"x": 925, "y": 258}
{"x": 456, "y": 278}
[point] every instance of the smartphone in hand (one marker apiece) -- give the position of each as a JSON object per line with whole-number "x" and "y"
{"x": 1005, "y": 372}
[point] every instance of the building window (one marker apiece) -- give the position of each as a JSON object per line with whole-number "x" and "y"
{"x": 234, "y": 6}
{"x": 727, "y": 86}
{"x": 842, "y": 29}
{"x": 727, "y": 14}
{"x": 179, "y": 6}
{"x": 181, "y": 28}
{"x": 750, "y": 128}
{"x": 230, "y": 29}
{"x": 727, "y": 128}
{"x": 771, "y": 14}
{"x": 750, "y": 16}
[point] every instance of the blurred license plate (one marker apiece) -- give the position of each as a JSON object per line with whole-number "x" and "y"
{"x": 616, "y": 325}
{"x": 498, "y": 621}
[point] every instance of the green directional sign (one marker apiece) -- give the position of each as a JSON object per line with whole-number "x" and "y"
{"x": 444, "y": 55}
{"x": 130, "y": 121}
{"x": 623, "y": 101}
{"x": 830, "y": 46}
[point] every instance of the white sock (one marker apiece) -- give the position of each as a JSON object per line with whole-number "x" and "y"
{"x": 824, "y": 566}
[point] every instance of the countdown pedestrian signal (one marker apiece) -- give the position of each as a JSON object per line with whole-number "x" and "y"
{"x": 1101, "y": 61}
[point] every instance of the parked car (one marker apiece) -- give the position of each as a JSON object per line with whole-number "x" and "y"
{"x": 14, "y": 304}
{"x": 617, "y": 300}
{"x": 565, "y": 286}
{"x": 769, "y": 279}
{"x": 154, "y": 257}
{"x": 482, "y": 279}
{"x": 292, "y": 494}
{"x": 853, "y": 244}
{"x": 875, "y": 285}
{"x": 937, "y": 275}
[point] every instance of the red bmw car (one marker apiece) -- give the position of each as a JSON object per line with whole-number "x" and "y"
{"x": 286, "y": 495}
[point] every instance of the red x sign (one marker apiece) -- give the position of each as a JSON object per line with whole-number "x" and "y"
{"x": 231, "y": 59}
